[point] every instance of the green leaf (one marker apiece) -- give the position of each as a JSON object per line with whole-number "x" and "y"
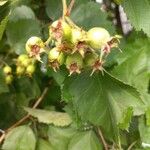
{"x": 22, "y": 12}
{"x": 50, "y": 117}
{"x": 93, "y": 18}
{"x": 127, "y": 115}
{"x": 134, "y": 66}
{"x": 144, "y": 132}
{"x": 86, "y": 140}
{"x": 102, "y": 100}
{"x": 60, "y": 137}
{"x": 148, "y": 117}
{"x": 138, "y": 13}
{"x": 3, "y": 26}
{"x": 44, "y": 145}
{"x": 29, "y": 87}
{"x": 3, "y": 86}
{"x": 21, "y": 27}
{"x": 20, "y": 138}
{"x": 134, "y": 70}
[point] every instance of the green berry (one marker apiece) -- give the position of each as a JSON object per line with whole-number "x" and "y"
{"x": 30, "y": 69}
{"x": 20, "y": 70}
{"x": 26, "y": 62}
{"x": 90, "y": 59}
{"x": 77, "y": 36}
{"x": 8, "y": 79}
{"x": 60, "y": 30}
{"x": 74, "y": 63}
{"x": 56, "y": 58}
{"x": 97, "y": 37}
{"x": 34, "y": 47}
{"x": 21, "y": 58}
{"x": 7, "y": 70}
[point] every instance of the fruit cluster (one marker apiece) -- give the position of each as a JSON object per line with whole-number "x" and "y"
{"x": 68, "y": 45}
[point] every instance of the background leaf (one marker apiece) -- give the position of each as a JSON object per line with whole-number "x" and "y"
{"x": 84, "y": 140}
{"x": 60, "y": 137}
{"x": 44, "y": 145}
{"x": 135, "y": 10}
{"x": 50, "y": 117}
{"x": 21, "y": 138}
{"x": 20, "y": 29}
{"x": 3, "y": 86}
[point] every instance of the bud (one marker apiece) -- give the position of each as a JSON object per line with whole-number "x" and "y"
{"x": 35, "y": 47}
{"x": 56, "y": 58}
{"x": 7, "y": 70}
{"x": 97, "y": 37}
{"x": 74, "y": 63}
{"x": 8, "y": 79}
{"x": 60, "y": 30}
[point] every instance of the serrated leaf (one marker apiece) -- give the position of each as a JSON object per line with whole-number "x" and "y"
{"x": 3, "y": 86}
{"x": 138, "y": 14}
{"x": 44, "y": 145}
{"x": 20, "y": 138}
{"x": 50, "y": 117}
{"x": 60, "y": 137}
{"x": 86, "y": 140}
{"x": 134, "y": 66}
{"x": 3, "y": 26}
{"x": 134, "y": 70}
{"x": 102, "y": 100}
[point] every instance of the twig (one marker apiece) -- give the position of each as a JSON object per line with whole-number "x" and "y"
{"x": 131, "y": 146}
{"x": 25, "y": 117}
{"x": 102, "y": 139}
{"x": 64, "y": 8}
{"x": 70, "y": 7}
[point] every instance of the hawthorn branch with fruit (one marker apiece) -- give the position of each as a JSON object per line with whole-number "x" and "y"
{"x": 67, "y": 45}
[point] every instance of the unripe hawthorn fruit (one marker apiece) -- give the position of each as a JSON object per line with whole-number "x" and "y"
{"x": 93, "y": 61}
{"x": 34, "y": 47}
{"x": 30, "y": 69}
{"x": 26, "y": 62}
{"x": 90, "y": 59}
{"x": 20, "y": 70}
{"x": 55, "y": 58}
{"x": 7, "y": 70}
{"x": 8, "y": 79}
{"x": 74, "y": 63}
{"x": 60, "y": 30}
{"x": 21, "y": 58}
{"x": 77, "y": 35}
{"x": 97, "y": 37}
